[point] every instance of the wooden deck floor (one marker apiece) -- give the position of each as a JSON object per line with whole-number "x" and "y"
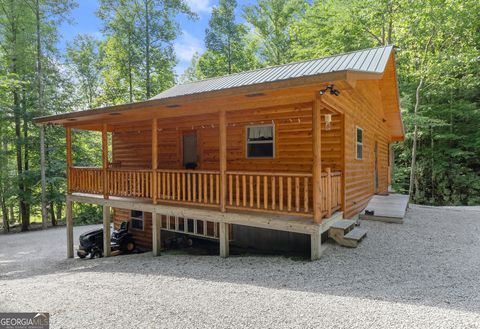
{"x": 289, "y": 223}
{"x": 387, "y": 208}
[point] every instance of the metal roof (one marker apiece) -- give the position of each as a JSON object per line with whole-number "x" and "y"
{"x": 371, "y": 60}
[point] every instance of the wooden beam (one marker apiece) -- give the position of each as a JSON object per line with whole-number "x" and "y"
{"x": 154, "y": 159}
{"x": 68, "y": 133}
{"x": 316, "y": 248}
{"x": 107, "y": 250}
{"x": 69, "y": 219}
{"x": 222, "y": 125}
{"x": 43, "y": 177}
{"x": 224, "y": 240}
{"x": 317, "y": 159}
{"x": 156, "y": 233}
{"x": 105, "y": 160}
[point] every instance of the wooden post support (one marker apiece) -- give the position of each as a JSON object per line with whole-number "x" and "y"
{"x": 329, "y": 192}
{"x": 68, "y": 133}
{"x": 69, "y": 218}
{"x": 316, "y": 248}
{"x": 107, "y": 250}
{"x": 223, "y": 159}
{"x": 43, "y": 177}
{"x": 156, "y": 233}
{"x": 105, "y": 160}
{"x": 224, "y": 240}
{"x": 154, "y": 160}
{"x": 317, "y": 159}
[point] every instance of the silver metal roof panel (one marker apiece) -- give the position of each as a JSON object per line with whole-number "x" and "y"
{"x": 368, "y": 60}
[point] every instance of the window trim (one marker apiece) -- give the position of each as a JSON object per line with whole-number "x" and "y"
{"x": 273, "y": 142}
{"x": 142, "y": 218}
{"x": 358, "y": 143}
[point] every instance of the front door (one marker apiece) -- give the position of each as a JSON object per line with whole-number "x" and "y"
{"x": 190, "y": 150}
{"x": 375, "y": 151}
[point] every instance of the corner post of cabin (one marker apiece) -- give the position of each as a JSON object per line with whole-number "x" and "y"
{"x": 69, "y": 220}
{"x": 222, "y": 126}
{"x": 68, "y": 140}
{"x": 154, "y": 159}
{"x": 105, "y": 160}
{"x": 156, "y": 233}
{"x": 107, "y": 250}
{"x": 317, "y": 159}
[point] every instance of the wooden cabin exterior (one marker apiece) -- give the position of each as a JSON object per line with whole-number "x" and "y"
{"x": 290, "y": 148}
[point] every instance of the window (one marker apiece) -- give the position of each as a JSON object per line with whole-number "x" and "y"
{"x": 359, "y": 144}
{"x": 260, "y": 141}
{"x": 137, "y": 219}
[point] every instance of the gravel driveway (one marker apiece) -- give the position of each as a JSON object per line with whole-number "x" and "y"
{"x": 422, "y": 274}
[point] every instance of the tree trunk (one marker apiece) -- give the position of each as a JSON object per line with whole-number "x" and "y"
{"x": 415, "y": 137}
{"x": 52, "y": 214}
{"x": 26, "y": 158}
{"x": 6, "y": 226}
{"x": 59, "y": 209}
{"x": 147, "y": 47}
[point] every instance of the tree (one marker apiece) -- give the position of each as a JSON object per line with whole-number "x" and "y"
{"x": 226, "y": 44}
{"x": 84, "y": 57}
{"x": 272, "y": 21}
{"x": 139, "y": 47}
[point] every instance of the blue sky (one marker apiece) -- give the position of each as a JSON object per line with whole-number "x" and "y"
{"x": 191, "y": 40}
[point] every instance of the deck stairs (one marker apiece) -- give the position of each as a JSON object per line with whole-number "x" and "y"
{"x": 345, "y": 233}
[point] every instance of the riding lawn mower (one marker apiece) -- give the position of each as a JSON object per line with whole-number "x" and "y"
{"x": 91, "y": 242}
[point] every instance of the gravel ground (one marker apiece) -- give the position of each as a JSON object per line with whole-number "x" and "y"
{"x": 422, "y": 274}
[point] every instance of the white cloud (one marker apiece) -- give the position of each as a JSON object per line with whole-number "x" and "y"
{"x": 187, "y": 46}
{"x": 200, "y": 6}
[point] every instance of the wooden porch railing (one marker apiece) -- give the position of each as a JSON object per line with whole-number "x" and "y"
{"x": 256, "y": 191}
{"x": 188, "y": 186}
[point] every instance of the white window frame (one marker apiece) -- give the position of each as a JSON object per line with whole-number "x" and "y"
{"x": 260, "y": 142}
{"x": 142, "y": 218}
{"x": 357, "y": 128}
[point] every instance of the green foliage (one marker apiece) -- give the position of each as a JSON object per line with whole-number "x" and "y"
{"x": 228, "y": 49}
{"x": 272, "y": 21}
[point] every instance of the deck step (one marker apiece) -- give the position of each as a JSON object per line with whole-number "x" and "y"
{"x": 343, "y": 224}
{"x": 356, "y": 234}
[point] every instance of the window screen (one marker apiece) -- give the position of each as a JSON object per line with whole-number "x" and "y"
{"x": 359, "y": 144}
{"x": 137, "y": 219}
{"x": 260, "y": 141}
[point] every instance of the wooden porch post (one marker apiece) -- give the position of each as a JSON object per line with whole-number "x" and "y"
{"x": 156, "y": 233}
{"x": 107, "y": 250}
{"x": 224, "y": 240}
{"x": 105, "y": 160}
{"x": 43, "y": 178}
{"x": 69, "y": 218}
{"x": 68, "y": 133}
{"x": 154, "y": 159}
{"x": 317, "y": 159}
{"x": 222, "y": 126}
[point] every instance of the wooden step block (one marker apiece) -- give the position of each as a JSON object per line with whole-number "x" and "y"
{"x": 356, "y": 234}
{"x": 343, "y": 224}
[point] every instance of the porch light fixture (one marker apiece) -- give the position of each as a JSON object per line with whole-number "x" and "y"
{"x": 328, "y": 121}
{"x": 331, "y": 89}
{"x": 255, "y": 95}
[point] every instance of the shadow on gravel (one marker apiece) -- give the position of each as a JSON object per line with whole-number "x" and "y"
{"x": 433, "y": 259}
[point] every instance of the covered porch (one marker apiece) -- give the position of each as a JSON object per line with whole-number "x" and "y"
{"x": 301, "y": 184}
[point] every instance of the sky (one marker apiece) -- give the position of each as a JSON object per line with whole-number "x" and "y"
{"x": 190, "y": 41}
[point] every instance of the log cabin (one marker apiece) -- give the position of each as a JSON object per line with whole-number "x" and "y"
{"x": 293, "y": 148}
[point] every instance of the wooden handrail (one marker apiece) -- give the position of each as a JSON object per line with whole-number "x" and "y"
{"x": 281, "y": 192}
